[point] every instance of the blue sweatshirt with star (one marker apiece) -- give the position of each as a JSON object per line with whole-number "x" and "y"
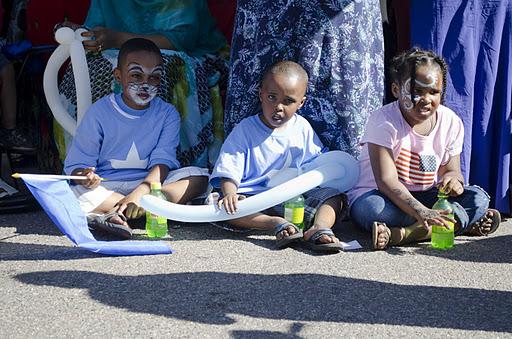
{"x": 122, "y": 143}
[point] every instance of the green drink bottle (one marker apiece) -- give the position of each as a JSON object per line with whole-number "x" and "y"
{"x": 156, "y": 226}
{"x": 442, "y": 237}
{"x": 294, "y": 211}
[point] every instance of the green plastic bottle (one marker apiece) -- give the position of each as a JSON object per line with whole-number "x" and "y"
{"x": 442, "y": 238}
{"x": 156, "y": 226}
{"x": 294, "y": 211}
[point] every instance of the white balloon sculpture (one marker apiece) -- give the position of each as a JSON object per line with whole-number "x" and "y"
{"x": 70, "y": 46}
{"x": 335, "y": 169}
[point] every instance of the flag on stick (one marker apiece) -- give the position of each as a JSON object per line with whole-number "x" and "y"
{"x": 59, "y": 202}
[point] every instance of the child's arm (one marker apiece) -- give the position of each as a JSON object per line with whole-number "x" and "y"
{"x": 229, "y": 196}
{"x": 452, "y": 181}
{"x": 83, "y": 155}
{"x": 386, "y": 177}
{"x": 129, "y": 205}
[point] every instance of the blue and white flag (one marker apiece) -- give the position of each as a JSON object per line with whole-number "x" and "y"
{"x": 61, "y": 205}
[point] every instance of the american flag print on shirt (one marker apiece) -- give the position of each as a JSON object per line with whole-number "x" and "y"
{"x": 416, "y": 169}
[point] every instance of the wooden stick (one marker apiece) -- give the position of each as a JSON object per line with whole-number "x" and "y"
{"x": 52, "y": 176}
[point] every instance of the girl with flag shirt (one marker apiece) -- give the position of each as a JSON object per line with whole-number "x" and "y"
{"x": 411, "y": 149}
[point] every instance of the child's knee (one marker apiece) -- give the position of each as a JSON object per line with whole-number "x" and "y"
{"x": 336, "y": 203}
{"x": 366, "y": 210}
{"x": 475, "y": 197}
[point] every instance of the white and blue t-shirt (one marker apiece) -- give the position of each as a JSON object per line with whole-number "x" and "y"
{"x": 122, "y": 143}
{"x": 252, "y": 150}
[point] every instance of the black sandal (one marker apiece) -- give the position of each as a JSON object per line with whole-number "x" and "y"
{"x": 314, "y": 244}
{"x": 285, "y": 241}
{"x": 100, "y": 222}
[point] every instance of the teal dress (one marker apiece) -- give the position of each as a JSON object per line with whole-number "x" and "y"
{"x": 187, "y": 24}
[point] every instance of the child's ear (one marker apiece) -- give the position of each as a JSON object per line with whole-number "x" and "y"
{"x": 117, "y": 74}
{"x": 395, "y": 89}
{"x": 302, "y": 102}
{"x": 259, "y": 94}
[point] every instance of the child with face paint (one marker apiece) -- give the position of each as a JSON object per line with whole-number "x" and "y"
{"x": 277, "y": 138}
{"x": 130, "y": 139}
{"x": 411, "y": 150}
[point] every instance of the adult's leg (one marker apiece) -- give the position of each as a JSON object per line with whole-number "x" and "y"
{"x": 8, "y": 96}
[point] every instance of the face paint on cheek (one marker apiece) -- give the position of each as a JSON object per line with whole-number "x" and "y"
{"x": 405, "y": 95}
{"x": 142, "y": 94}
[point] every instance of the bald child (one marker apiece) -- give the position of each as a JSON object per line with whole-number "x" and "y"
{"x": 273, "y": 139}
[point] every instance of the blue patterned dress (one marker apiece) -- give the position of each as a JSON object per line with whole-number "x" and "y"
{"x": 339, "y": 43}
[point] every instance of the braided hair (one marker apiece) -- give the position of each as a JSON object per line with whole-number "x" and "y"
{"x": 405, "y": 65}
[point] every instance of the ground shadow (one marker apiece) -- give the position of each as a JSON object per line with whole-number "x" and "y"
{"x": 30, "y": 222}
{"x": 263, "y": 335}
{"x": 210, "y": 297}
{"x": 18, "y": 252}
{"x": 492, "y": 249}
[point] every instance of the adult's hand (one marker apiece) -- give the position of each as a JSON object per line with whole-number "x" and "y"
{"x": 101, "y": 38}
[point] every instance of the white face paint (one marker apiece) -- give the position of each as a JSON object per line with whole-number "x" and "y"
{"x": 142, "y": 92}
{"x": 405, "y": 90}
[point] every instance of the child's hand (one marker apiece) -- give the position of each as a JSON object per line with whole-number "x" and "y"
{"x": 91, "y": 181}
{"x": 129, "y": 206}
{"x": 430, "y": 218}
{"x": 451, "y": 186}
{"x": 230, "y": 202}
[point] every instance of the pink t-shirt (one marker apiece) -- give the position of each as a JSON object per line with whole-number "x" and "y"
{"x": 417, "y": 157}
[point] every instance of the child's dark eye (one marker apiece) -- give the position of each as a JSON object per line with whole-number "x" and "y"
{"x": 271, "y": 97}
{"x": 289, "y": 101}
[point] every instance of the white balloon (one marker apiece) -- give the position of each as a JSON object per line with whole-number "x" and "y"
{"x": 78, "y": 34}
{"x": 70, "y": 46}
{"x": 344, "y": 161}
{"x": 82, "y": 81}
{"x": 338, "y": 167}
{"x": 51, "y": 90}
{"x": 64, "y": 35}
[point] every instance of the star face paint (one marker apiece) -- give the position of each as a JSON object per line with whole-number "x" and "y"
{"x": 145, "y": 84}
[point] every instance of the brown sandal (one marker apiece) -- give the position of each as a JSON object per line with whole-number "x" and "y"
{"x": 375, "y": 235}
{"x": 478, "y": 227}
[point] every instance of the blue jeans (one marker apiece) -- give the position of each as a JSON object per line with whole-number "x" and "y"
{"x": 372, "y": 206}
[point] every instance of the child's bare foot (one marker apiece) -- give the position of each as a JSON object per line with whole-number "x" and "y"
{"x": 487, "y": 224}
{"x": 381, "y": 235}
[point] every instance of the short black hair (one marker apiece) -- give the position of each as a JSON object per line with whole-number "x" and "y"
{"x": 286, "y": 67}
{"x": 136, "y": 45}
{"x": 406, "y": 63}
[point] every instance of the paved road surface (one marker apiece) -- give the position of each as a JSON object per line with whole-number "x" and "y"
{"x": 224, "y": 284}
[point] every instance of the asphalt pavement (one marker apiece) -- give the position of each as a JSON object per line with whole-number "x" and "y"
{"x": 221, "y": 284}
